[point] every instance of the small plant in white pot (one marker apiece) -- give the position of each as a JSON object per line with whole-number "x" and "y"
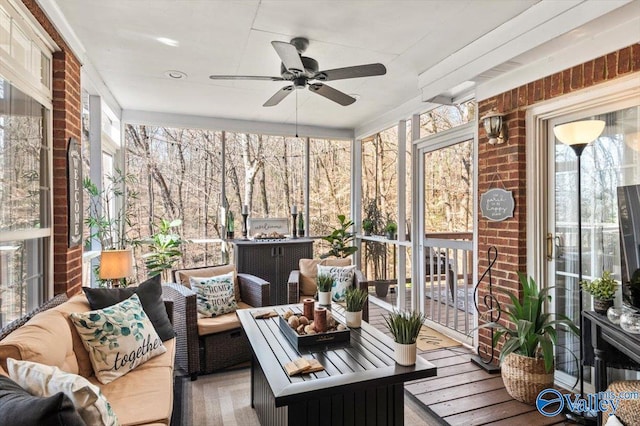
{"x": 324, "y": 283}
{"x": 405, "y": 327}
{"x": 356, "y": 299}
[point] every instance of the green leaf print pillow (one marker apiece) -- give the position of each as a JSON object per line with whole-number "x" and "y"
{"x": 342, "y": 279}
{"x": 118, "y": 338}
{"x": 215, "y": 295}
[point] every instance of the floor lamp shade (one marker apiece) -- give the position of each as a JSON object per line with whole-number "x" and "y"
{"x": 116, "y": 264}
{"x": 579, "y": 132}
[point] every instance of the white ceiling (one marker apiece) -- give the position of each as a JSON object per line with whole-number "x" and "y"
{"x": 428, "y": 47}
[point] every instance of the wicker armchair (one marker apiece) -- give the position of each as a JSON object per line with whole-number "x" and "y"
{"x": 301, "y": 283}
{"x": 205, "y": 345}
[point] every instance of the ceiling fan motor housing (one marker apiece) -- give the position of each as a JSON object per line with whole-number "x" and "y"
{"x": 310, "y": 69}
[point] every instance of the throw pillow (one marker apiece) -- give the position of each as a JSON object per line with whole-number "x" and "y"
{"x": 342, "y": 279}
{"x": 118, "y": 338}
{"x": 18, "y": 407}
{"x": 214, "y": 295}
{"x": 309, "y": 272}
{"x": 150, "y": 294}
{"x": 45, "y": 380}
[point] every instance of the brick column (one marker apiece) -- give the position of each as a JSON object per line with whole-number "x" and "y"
{"x": 67, "y": 263}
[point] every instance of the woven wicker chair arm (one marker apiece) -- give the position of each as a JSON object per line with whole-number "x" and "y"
{"x": 185, "y": 323}
{"x": 253, "y": 290}
{"x": 293, "y": 286}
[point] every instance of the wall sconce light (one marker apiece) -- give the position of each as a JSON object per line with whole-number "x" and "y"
{"x": 495, "y": 127}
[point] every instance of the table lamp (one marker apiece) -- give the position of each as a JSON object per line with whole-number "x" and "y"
{"x": 115, "y": 265}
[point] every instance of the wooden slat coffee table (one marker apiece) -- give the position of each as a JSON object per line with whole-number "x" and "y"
{"x": 361, "y": 384}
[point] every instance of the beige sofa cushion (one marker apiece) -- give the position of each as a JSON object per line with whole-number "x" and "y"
{"x": 224, "y": 322}
{"x": 213, "y": 271}
{"x": 309, "y": 272}
{"x": 144, "y": 395}
{"x": 46, "y": 338}
{"x": 78, "y": 303}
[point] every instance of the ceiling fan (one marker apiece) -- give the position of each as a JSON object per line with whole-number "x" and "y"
{"x": 302, "y": 72}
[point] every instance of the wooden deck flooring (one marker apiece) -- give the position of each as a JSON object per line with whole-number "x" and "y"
{"x": 463, "y": 393}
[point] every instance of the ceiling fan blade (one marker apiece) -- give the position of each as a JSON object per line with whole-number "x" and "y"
{"x": 289, "y": 56}
{"x": 331, "y": 94}
{"x": 245, "y": 77}
{"x": 278, "y": 96}
{"x": 368, "y": 70}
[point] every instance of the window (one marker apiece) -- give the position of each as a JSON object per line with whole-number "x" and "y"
{"x": 24, "y": 203}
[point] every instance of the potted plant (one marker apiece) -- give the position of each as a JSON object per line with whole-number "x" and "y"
{"x": 301, "y": 225}
{"x": 527, "y": 355}
{"x": 164, "y": 248}
{"x": 405, "y": 327}
{"x": 324, "y": 283}
{"x": 603, "y": 290}
{"x": 355, "y": 299}
{"x": 230, "y": 225}
{"x": 340, "y": 240}
{"x": 367, "y": 226}
{"x": 391, "y": 228}
{"x": 108, "y": 215}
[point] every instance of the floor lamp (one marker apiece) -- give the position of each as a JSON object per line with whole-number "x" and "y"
{"x": 578, "y": 135}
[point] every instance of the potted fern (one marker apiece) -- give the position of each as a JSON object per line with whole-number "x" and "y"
{"x": 391, "y": 228}
{"x": 356, "y": 299}
{"x": 324, "y": 283}
{"x": 527, "y": 355}
{"x": 164, "y": 249}
{"x": 405, "y": 327}
{"x": 603, "y": 290}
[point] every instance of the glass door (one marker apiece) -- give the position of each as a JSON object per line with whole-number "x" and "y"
{"x": 611, "y": 161}
{"x": 446, "y": 186}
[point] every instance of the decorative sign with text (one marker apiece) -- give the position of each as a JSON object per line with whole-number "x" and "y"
{"x": 268, "y": 226}
{"x": 74, "y": 192}
{"x": 497, "y": 204}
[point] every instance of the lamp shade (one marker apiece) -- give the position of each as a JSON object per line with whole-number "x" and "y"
{"x": 579, "y": 132}
{"x": 115, "y": 264}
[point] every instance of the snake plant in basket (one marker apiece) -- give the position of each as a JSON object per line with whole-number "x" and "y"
{"x": 527, "y": 356}
{"x": 405, "y": 327}
{"x": 355, "y": 299}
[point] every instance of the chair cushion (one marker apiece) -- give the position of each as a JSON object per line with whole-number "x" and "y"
{"x": 220, "y": 323}
{"x": 150, "y": 294}
{"x": 209, "y": 271}
{"x": 309, "y": 272}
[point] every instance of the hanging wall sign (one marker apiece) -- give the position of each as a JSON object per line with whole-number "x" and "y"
{"x": 74, "y": 192}
{"x": 497, "y": 204}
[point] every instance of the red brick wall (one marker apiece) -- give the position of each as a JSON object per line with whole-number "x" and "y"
{"x": 67, "y": 263}
{"x": 508, "y": 160}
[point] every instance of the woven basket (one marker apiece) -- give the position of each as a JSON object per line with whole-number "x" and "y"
{"x": 629, "y": 410}
{"x": 524, "y": 378}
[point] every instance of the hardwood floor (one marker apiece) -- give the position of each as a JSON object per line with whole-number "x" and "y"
{"x": 463, "y": 393}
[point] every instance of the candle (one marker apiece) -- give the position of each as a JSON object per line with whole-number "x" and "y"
{"x": 320, "y": 320}
{"x": 308, "y": 305}
{"x": 245, "y": 209}
{"x": 294, "y": 209}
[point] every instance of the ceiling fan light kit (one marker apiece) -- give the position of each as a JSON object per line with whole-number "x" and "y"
{"x": 303, "y": 71}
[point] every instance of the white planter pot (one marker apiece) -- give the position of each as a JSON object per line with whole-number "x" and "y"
{"x": 354, "y": 319}
{"x": 324, "y": 298}
{"x": 404, "y": 354}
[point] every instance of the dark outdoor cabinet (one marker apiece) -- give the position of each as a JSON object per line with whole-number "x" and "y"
{"x": 272, "y": 261}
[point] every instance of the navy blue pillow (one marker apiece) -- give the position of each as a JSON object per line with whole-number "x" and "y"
{"x": 150, "y": 294}
{"x": 19, "y": 408}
